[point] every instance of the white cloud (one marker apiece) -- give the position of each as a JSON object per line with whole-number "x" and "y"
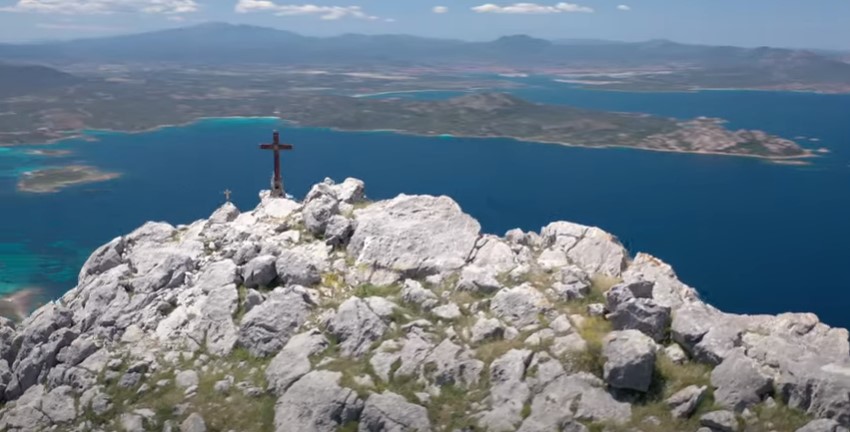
{"x": 440, "y": 9}
{"x": 624, "y": 7}
{"x": 95, "y": 7}
{"x": 323, "y": 12}
{"x": 532, "y": 8}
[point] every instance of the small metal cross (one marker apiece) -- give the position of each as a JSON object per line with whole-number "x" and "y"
{"x": 227, "y": 194}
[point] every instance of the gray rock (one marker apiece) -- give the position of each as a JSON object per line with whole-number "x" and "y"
{"x": 266, "y": 328}
{"x": 338, "y": 231}
{"x": 318, "y": 211}
{"x": 629, "y": 360}
{"x": 253, "y": 298}
{"x": 414, "y": 235}
{"x": 224, "y": 214}
{"x": 594, "y": 250}
{"x": 487, "y": 329}
{"x": 508, "y": 391}
{"x": 414, "y": 293}
{"x": 477, "y": 279}
{"x": 298, "y": 268}
{"x": 520, "y": 306}
{"x": 401, "y": 359}
{"x": 389, "y": 412}
{"x": 684, "y": 402}
{"x": 129, "y": 379}
{"x": 447, "y": 312}
{"x": 259, "y": 272}
{"x": 494, "y": 254}
{"x": 643, "y": 315}
{"x": 103, "y": 258}
{"x": 222, "y": 386}
{"x": 186, "y": 378}
{"x": 449, "y": 364}
{"x": 822, "y": 425}
{"x": 739, "y": 382}
{"x": 573, "y": 397}
{"x": 720, "y": 421}
{"x": 356, "y": 326}
{"x": 132, "y": 422}
{"x": 193, "y": 423}
{"x": 293, "y": 361}
{"x": 316, "y": 402}
{"x": 58, "y": 405}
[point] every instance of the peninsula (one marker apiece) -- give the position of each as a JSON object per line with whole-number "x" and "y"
{"x": 54, "y": 179}
{"x": 505, "y": 116}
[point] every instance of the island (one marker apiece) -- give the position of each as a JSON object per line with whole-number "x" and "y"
{"x": 499, "y": 115}
{"x": 53, "y": 179}
{"x": 50, "y": 152}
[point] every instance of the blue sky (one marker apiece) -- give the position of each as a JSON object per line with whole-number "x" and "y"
{"x": 793, "y": 23}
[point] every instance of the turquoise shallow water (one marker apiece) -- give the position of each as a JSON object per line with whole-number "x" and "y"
{"x": 751, "y": 236}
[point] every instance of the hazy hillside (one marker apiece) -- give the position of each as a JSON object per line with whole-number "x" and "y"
{"x": 22, "y": 79}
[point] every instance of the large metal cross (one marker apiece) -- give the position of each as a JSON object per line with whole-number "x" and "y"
{"x": 276, "y": 147}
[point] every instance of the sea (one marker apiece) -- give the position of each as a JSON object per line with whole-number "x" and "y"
{"x": 751, "y": 236}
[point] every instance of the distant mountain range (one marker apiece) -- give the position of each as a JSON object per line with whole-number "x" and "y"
{"x": 691, "y": 66}
{"x": 225, "y": 43}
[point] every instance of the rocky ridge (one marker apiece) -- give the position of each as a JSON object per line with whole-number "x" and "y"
{"x": 337, "y": 313}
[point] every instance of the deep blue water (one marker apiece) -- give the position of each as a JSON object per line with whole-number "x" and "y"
{"x": 751, "y": 236}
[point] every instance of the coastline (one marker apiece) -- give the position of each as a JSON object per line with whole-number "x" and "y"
{"x": 778, "y": 159}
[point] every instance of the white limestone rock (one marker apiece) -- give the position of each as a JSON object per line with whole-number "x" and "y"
{"x": 415, "y": 235}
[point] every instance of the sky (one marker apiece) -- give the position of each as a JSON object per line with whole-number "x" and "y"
{"x": 787, "y": 23}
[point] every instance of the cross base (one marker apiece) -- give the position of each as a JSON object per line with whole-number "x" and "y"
{"x": 277, "y": 188}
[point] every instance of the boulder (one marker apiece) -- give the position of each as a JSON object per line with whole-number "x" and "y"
{"x": 568, "y": 398}
{"x": 486, "y": 329}
{"x": 338, "y": 231}
{"x": 508, "y": 391}
{"x": 296, "y": 267}
{"x": 451, "y": 364}
{"x": 414, "y": 235}
{"x": 739, "y": 382}
{"x": 413, "y": 292}
{"x": 193, "y": 423}
{"x": 267, "y": 327}
{"x": 356, "y": 327}
{"x": 629, "y": 360}
{"x": 720, "y": 421}
{"x": 520, "y": 306}
{"x": 684, "y": 402}
{"x": 477, "y": 279}
{"x": 447, "y": 312}
{"x": 644, "y": 315}
{"x": 389, "y": 412}
{"x": 103, "y": 259}
{"x": 494, "y": 254}
{"x": 259, "y": 272}
{"x": 318, "y": 212}
{"x": 316, "y": 402}
{"x": 590, "y": 248}
{"x": 58, "y": 405}
{"x": 293, "y": 361}
{"x": 822, "y": 425}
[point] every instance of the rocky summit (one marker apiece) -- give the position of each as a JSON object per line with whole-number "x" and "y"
{"x": 341, "y": 314}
